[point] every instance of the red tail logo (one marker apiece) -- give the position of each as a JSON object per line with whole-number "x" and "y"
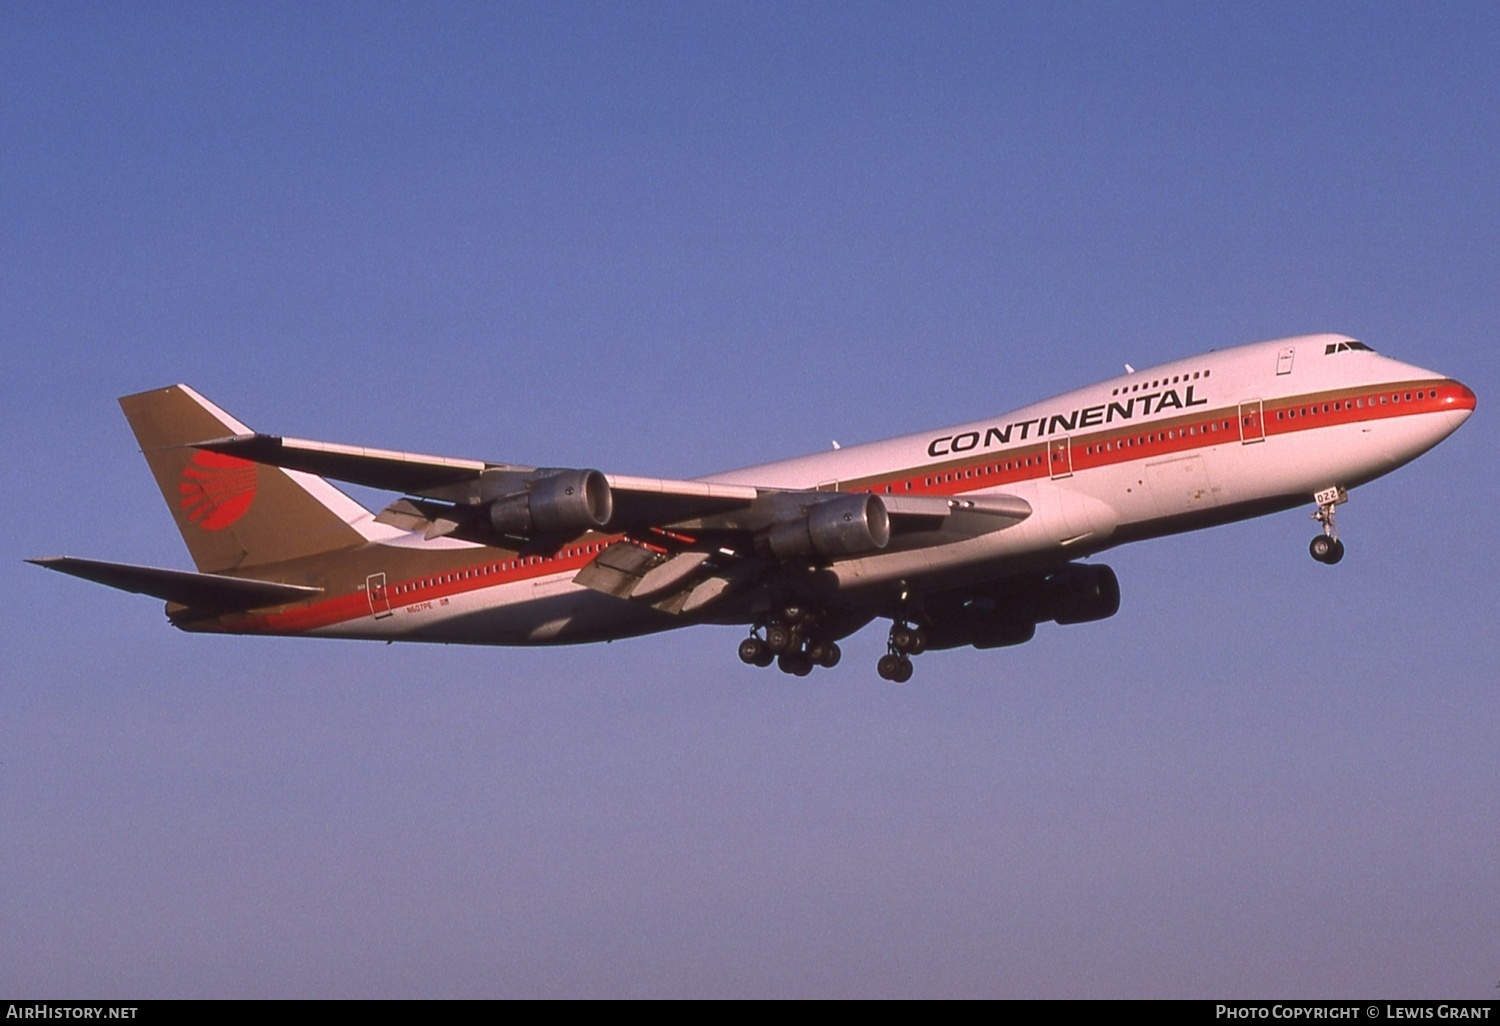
{"x": 217, "y": 490}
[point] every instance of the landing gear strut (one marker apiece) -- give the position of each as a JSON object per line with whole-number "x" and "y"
{"x": 1326, "y": 547}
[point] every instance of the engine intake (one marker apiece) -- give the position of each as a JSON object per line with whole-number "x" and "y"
{"x": 843, "y": 525}
{"x": 563, "y": 502}
{"x": 1079, "y": 593}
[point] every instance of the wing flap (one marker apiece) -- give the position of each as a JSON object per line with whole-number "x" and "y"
{"x": 206, "y": 592}
{"x": 619, "y": 568}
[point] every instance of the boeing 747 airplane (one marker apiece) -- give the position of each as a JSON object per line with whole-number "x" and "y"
{"x": 968, "y": 535}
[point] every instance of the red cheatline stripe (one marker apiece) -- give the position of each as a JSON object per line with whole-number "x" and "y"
{"x": 426, "y": 588}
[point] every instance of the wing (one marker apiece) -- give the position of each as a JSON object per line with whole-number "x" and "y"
{"x": 683, "y": 545}
{"x": 527, "y": 502}
{"x": 686, "y": 567}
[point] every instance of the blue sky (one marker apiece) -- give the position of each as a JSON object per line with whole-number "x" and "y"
{"x": 673, "y": 238}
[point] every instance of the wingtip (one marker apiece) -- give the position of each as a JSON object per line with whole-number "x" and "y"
{"x": 224, "y": 443}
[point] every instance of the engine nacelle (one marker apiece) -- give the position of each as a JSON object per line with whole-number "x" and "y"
{"x": 566, "y": 502}
{"x": 844, "y": 525}
{"x": 977, "y": 629}
{"x": 1079, "y": 593}
{"x": 1009, "y": 613}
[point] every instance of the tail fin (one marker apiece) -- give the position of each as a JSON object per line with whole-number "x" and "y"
{"x": 233, "y": 513}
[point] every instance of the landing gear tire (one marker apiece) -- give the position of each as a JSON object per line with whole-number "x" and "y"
{"x": 825, "y": 654}
{"x": 896, "y": 668}
{"x": 794, "y": 614}
{"x": 795, "y": 663}
{"x": 1326, "y": 550}
{"x": 780, "y": 639}
{"x": 908, "y": 640}
{"x": 752, "y": 650}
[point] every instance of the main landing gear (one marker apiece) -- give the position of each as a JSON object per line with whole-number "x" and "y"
{"x": 797, "y": 639}
{"x": 906, "y": 640}
{"x": 1326, "y": 547}
{"x": 793, "y": 642}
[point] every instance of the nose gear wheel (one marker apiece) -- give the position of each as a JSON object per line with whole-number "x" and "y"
{"x": 1326, "y": 547}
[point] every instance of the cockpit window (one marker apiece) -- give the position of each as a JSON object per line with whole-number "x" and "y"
{"x": 1344, "y": 347}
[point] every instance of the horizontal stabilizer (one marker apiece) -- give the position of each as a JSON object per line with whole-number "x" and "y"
{"x": 206, "y": 592}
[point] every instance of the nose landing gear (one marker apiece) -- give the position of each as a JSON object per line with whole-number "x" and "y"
{"x": 1326, "y": 547}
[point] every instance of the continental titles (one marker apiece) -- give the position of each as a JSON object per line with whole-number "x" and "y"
{"x": 1088, "y": 416}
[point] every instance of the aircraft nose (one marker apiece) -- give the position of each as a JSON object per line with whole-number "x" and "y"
{"x": 1457, "y": 403}
{"x": 1459, "y": 397}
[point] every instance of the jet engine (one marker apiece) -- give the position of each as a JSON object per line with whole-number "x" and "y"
{"x": 842, "y": 525}
{"x": 984, "y": 622}
{"x": 1009, "y": 614}
{"x": 1079, "y": 593}
{"x": 566, "y": 501}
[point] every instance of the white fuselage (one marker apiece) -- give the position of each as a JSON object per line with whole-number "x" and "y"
{"x": 1218, "y": 437}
